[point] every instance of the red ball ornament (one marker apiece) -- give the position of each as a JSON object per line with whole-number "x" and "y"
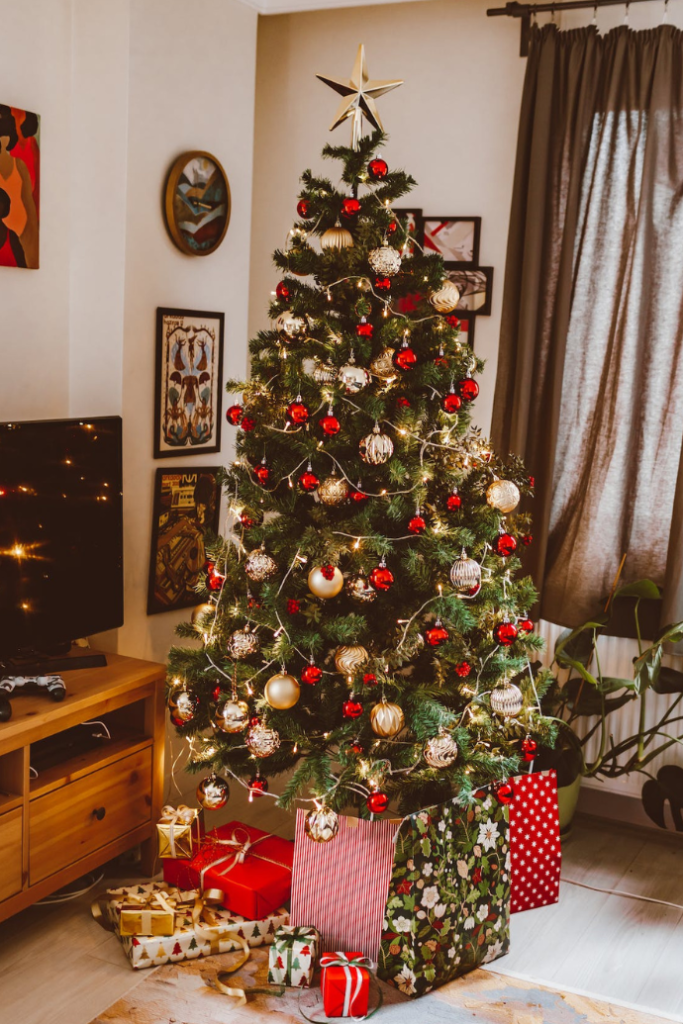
{"x": 352, "y": 708}
{"x": 382, "y": 284}
{"x": 378, "y": 169}
{"x": 308, "y": 481}
{"x": 234, "y": 414}
{"x": 451, "y": 402}
{"x": 350, "y": 208}
{"x": 505, "y": 545}
{"x": 529, "y": 748}
{"x": 505, "y": 793}
{"x": 364, "y": 329}
{"x": 257, "y": 786}
{"x": 391, "y": 228}
{"x": 527, "y": 539}
{"x": 473, "y": 591}
{"x": 303, "y": 208}
{"x": 377, "y": 802}
{"x": 525, "y": 626}
{"x": 254, "y": 720}
{"x": 417, "y": 525}
{"x": 209, "y": 567}
{"x": 463, "y": 669}
{"x": 405, "y": 358}
{"x": 311, "y": 674}
{"x": 437, "y": 634}
{"x": 248, "y": 423}
{"x": 297, "y": 412}
{"x": 453, "y": 502}
{"x": 262, "y": 473}
{"x": 468, "y": 389}
{"x": 359, "y": 497}
{"x": 293, "y": 606}
{"x": 282, "y": 292}
{"x": 402, "y": 402}
{"x": 215, "y": 581}
{"x": 217, "y": 693}
{"x": 505, "y": 633}
{"x": 440, "y": 360}
{"x": 370, "y": 679}
{"x": 355, "y": 747}
{"x": 330, "y": 425}
{"x": 381, "y": 578}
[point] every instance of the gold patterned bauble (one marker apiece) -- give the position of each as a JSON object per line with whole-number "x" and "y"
{"x": 202, "y": 610}
{"x": 359, "y": 589}
{"x": 282, "y": 691}
{"x": 350, "y": 658}
{"x": 441, "y": 750}
{"x": 465, "y": 573}
{"x": 213, "y": 793}
{"x": 322, "y": 373}
{"x": 183, "y": 705}
{"x": 354, "y": 378}
{"x": 503, "y": 495}
{"x": 321, "y": 825}
{"x": 262, "y": 741}
{"x": 507, "y": 700}
{"x": 387, "y": 719}
{"x": 334, "y": 490}
{"x": 242, "y": 643}
{"x": 233, "y": 716}
{"x": 376, "y": 448}
{"x": 325, "y": 581}
{"x": 383, "y": 364}
{"x": 259, "y": 566}
{"x": 446, "y": 298}
{"x": 385, "y": 261}
{"x": 336, "y": 238}
{"x": 290, "y": 327}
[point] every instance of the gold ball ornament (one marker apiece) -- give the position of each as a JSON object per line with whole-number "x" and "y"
{"x": 465, "y": 573}
{"x": 262, "y": 741}
{"x": 383, "y": 364}
{"x": 441, "y": 750}
{"x": 507, "y": 700}
{"x": 336, "y": 238}
{"x": 213, "y": 793}
{"x": 233, "y": 716}
{"x": 376, "y": 448}
{"x": 259, "y": 566}
{"x": 385, "y": 260}
{"x": 354, "y": 378}
{"x": 359, "y": 589}
{"x": 334, "y": 490}
{"x": 350, "y": 658}
{"x": 282, "y": 691}
{"x": 446, "y": 298}
{"x": 290, "y": 327}
{"x": 242, "y": 643}
{"x": 325, "y": 581}
{"x": 386, "y": 719}
{"x": 201, "y": 611}
{"x": 321, "y": 825}
{"x": 503, "y": 495}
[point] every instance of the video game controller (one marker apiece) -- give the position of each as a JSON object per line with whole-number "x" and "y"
{"x": 15, "y": 686}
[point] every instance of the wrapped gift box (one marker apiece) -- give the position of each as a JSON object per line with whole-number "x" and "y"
{"x": 536, "y": 854}
{"x": 253, "y": 868}
{"x": 292, "y": 957}
{"x": 179, "y": 831}
{"x": 153, "y": 913}
{"x": 345, "y": 985}
{"x": 186, "y": 943}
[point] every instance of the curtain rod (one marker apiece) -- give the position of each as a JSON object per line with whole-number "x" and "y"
{"x": 513, "y": 9}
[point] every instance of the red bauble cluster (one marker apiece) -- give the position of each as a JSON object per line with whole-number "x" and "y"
{"x": 378, "y": 169}
{"x": 377, "y": 802}
{"x": 308, "y": 481}
{"x": 293, "y": 606}
{"x": 463, "y": 669}
{"x": 327, "y": 571}
{"x": 303, "y": 208}
{"x": 382, "y": 284}
{"x": 350, "y": 208}
{"x": 505, "y": 634}
{"x": 453, "y": 502}
{"x": 311, "y": 674}
{"x": 364, "y": 329}
{"x": 381, "y": 578}
{"x": 529, "y": 748}
{"x": 283, "y": 292}
{"x": 526, "y": 539}
{"x": 246, "y": 521}
{"x": 234, "y": 414}
{"x": 355, "y": 747}
{"x": 402, "y": 402}
{"x": 405, "y": 358}
{"x": 437, "y": 634}
{"x": 352, "y": 708}
{"x": 262, "y": 473}
{"x": 505, "y": 545}
{"x": 451, "y": 402}
{"x": 370, "y": 679}
{"x": 452, "y": 320}
{"x": 468, "y": 389}
{"x": 505, "y": 793}
{"x": 257, "y": 786}
{"x": 330, "y": 425}
{"x": 298, "y": 412}
{"x": 248, "y": 423}
{"x": 417, "y": 525}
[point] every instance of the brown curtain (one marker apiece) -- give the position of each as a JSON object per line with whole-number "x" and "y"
{"x": 590, "y": 374}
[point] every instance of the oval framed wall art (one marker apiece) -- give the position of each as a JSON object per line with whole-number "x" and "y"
{"x": 197, "y": 203}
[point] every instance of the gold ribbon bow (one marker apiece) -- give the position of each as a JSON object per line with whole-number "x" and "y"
{"x": 181, "y": 815}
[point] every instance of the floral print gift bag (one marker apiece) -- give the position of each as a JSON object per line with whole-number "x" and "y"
{"x": 448, "y": 908}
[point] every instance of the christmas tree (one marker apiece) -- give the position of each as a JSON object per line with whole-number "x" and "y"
{"x": 364, "y": 628}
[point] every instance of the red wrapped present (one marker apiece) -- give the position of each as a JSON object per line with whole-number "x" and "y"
{"x": 535, "y": 851}
{"x": 253, "y": 868}
{"x": 345, "y": 984}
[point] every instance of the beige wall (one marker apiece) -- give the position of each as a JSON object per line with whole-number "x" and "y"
{"x": 453, "y": 125}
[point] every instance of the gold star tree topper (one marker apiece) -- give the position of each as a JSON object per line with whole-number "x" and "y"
{"x": 359, "y": 94}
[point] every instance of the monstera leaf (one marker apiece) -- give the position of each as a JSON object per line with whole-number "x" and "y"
{"x": 587, "y": 700}
{"x": 667, "y": 787}
{"x": 670, "y": 680}
{"x": 642, "y": 590}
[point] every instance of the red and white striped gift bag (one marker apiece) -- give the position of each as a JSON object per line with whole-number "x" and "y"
{"x": 535, "y": 852}
{"x": 341, "y": 887}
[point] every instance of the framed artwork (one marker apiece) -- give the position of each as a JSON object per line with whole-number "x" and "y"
{"x": 411, "y": 220}
{"x": 475, "y": 289}
{"x": 197, "y": 203}
{"x": 467, "y": 325}
{"x": 186, "y": 507}
{"x": 189, "y": 382}
{"x": 19, "y": 188}
{"x": 454, "y": 238}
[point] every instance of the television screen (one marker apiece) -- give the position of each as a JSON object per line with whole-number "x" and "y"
{"x": 61, "y": 532}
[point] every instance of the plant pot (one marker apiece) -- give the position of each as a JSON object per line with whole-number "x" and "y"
{"x": 567, "y": 799}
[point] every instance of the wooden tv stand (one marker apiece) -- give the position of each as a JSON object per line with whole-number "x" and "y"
{"x": 92, "y": 798}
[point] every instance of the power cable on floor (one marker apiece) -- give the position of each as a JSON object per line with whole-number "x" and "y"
{"x": 620, "y": 892}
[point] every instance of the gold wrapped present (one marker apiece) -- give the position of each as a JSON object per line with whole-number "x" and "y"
{"x": 179, "y": 831}
{"x": 152, "y": 913}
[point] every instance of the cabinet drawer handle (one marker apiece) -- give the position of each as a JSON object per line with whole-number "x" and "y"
{"x": 99, "y": 813}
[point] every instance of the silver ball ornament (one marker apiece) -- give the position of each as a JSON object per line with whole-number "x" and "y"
{"x": 354, "y": 378}
{"x": 465, "y": 573}
{"x": 290, "y": 327}
{"x": 282, "y": 691}
{"x": 507, "y": 700}
{"x": 231, "y": 717}
{"x": 213, "y": 793}
{"x": 359, "y": 589}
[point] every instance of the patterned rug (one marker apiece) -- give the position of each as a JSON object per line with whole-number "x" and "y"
{"x": 181, "y": 994}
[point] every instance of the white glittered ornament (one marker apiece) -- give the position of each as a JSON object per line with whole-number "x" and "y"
{"x": 503, "y": 495}
{"x": 262, "y": 741}
{"x": 333, "y": 490}
{"x": 259, "y": 566}
{"x": 242, "y": 643}
{"x": 385, "y": 260}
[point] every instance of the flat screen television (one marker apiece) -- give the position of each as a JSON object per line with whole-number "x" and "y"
{"x": 61, "y": 533}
